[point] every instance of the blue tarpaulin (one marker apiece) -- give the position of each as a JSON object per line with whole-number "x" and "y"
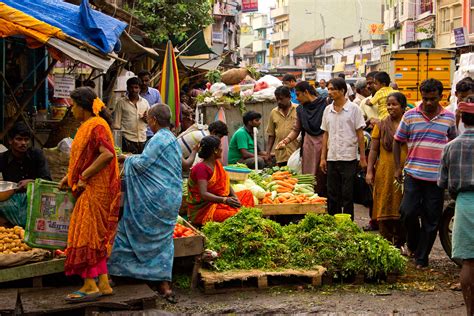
{"x": 81, "y": 22}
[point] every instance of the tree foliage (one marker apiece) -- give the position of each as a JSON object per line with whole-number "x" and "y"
{"x": 165, "y": 19}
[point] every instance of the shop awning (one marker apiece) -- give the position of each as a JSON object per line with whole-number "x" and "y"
{"x": 195, "y": 44}
{"x": 80, "y": 22}
{"x": 130, "y": 46}
{"x": 80, "y": 38}
{"x": 85, "y": 57}
{"x": 202, "y": 64}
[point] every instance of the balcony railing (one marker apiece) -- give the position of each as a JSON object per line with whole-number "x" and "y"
{"x": 280, "y": 36}
{"x": 259, "y": 45}
{"x": 277, "y": 12}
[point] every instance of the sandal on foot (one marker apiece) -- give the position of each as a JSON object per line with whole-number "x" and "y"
{"x": 107, "y": 294}
{"x": 82, "y": 297}
{"x": 170, "y": 297}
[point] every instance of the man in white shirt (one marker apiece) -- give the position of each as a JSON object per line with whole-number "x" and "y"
{"x": 343, "y": 125}
{"x": 130, "y": 117}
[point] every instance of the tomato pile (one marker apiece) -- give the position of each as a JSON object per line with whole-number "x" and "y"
{"x": 182, "y": 231}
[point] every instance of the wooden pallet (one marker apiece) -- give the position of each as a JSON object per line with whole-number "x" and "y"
{"x": 8, "y": 300}
{"x": 236, "y": 280}
{"x": 34, "y": 270}
{"x": 48, "y": 301}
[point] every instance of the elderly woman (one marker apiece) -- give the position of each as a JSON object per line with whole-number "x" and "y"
{"x": 211, "y": 198}
{"x": 143, "y": 247}
{"x": 93, "y": 176}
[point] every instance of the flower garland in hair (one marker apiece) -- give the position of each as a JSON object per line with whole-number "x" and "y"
{"x": 97, "y": 106}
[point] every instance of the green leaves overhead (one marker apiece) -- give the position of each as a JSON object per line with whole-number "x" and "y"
{"x": 163, "y": 19}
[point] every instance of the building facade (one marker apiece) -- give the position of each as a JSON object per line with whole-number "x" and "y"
{"x": 298, "y": 21}
{"x": 410, "y": 23}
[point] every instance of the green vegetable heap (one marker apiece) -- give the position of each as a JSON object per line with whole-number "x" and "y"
{"x": 249, "y": 241}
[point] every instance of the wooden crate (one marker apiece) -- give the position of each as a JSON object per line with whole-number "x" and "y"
{"x": 292, "y": 209}
{"x": 189, "y": 246}
{"x": 236, "y": 280}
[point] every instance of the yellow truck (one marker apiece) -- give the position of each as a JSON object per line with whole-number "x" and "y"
{"x": 409, "y": 67}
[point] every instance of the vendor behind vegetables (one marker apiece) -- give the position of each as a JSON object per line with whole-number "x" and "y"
{"x": 210, "y": 196}
{"x": 20, "y": 164}
{"x": 241, "y": 147}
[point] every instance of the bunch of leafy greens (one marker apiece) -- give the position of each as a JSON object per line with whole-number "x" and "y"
{"x": 249, "y": 241}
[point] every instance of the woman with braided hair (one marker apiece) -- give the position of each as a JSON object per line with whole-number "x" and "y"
{"x": 93, "y": 176}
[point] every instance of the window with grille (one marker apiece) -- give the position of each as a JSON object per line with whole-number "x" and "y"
{"x": 457, "y": 16}
{"x": 425, "y": 6}
{"x": 444, "y": 20}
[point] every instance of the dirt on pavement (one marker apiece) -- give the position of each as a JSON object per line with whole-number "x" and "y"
{"x": 425, "y": 292}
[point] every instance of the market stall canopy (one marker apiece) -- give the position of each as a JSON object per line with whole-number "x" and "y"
{"x": 195, "y": 44}
{"x": 202, "y": 64}
{"x": 80, "y": 22}
{"x": 130, "y": 46}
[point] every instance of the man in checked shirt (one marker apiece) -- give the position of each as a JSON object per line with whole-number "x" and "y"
{"x": 456, "y": 173}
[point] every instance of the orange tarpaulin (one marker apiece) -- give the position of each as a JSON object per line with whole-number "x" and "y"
{"x": 14, "y": 22}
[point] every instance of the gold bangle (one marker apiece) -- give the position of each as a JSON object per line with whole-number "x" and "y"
{"x": 225, "y": 200}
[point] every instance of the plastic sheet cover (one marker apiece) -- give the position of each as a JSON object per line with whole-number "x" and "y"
{"x": 80, "y": 22}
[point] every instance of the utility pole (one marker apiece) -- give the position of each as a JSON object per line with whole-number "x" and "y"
{"x": 360, "y": 32}
{"x": 324, "y": 35}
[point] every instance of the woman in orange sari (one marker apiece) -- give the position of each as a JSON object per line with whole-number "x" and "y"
{"x": 93, "y": 176}
{"x": 210, "y": 196}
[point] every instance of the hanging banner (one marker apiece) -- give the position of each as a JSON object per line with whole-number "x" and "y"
{"x": 376, "y": 29}
{"x": 64, "y": 85}
{"x": 249, "y": 6}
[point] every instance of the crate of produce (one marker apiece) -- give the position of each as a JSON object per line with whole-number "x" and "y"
{"x": 292, "y": 209}
{"x": 188, "y": 241}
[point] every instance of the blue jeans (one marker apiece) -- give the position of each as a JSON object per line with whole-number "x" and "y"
{"x": 421, "y": 200}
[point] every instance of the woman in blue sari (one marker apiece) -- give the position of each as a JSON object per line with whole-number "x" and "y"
{"x": 143, "y": 248}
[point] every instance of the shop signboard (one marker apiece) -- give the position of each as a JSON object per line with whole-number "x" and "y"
{"x": 249, "y": 6}
{"x": 64, "y": 85}
{"x": 460, "y": 36}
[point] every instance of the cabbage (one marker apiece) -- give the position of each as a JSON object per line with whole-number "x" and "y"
{"x": 239, "y": 187}
{"x": 249, "y": 183}
{"x": 258, "y": 192}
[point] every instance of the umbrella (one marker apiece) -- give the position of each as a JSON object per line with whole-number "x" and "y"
{"x": 170, "y": 84}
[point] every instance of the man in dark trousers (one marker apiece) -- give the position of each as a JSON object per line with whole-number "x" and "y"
{"x": 426, "y": 129}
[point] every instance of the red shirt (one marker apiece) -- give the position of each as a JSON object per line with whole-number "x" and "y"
{"x": 201, "y": 172}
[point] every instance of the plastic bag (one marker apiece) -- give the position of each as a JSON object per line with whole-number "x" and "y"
{"x": 49, "y": 213}
{"x": 265, "y": 95}
{"x": 294, "y": 162}
{"x": 65, "y": 145}
{"x": 271, "y": 81}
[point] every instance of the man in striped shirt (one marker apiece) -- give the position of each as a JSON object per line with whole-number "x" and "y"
{"x": 426, "y": 129}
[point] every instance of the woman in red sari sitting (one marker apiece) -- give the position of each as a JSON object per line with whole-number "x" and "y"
{"x": 210, "y": 196}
